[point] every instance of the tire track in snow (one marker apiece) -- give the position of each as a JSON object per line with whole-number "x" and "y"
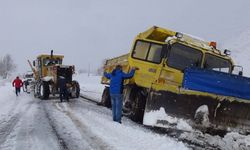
{"x": 6, "y": 127}
{"x": 94, "y": 141}
{"x": 63, "y": 145}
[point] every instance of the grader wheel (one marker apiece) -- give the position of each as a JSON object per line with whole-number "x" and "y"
{"x": 44, "y": 90}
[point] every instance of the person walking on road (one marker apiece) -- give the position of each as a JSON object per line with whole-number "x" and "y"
{"x": 63, "y": 89}
{"x": 116, "y": 89}
{"x": 17, "y": 83}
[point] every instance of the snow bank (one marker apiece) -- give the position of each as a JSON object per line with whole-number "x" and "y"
{"x": 90, "y": 85}
{"x": 151, "y": 118}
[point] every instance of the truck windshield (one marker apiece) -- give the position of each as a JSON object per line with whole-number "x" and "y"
{"x": 216, "y": 63}
{"x": 48, "y": 61}
{"x": 147, "y": 51}
{"x": 181, "y": 57}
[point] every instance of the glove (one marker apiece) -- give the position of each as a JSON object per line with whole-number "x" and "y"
{"x": 135, "y": 68}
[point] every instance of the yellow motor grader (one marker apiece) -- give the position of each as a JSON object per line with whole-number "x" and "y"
{"x": 47, "y": 71}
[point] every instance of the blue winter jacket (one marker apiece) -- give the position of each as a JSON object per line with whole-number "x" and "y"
{"x": 116, "y": 80}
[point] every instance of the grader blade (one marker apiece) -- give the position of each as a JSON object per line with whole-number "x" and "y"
{"x": 226, "y": 97}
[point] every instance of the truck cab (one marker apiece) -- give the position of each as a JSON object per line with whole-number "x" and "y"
{"x": 163, "y": 55}
{"x": 43, "y": 62}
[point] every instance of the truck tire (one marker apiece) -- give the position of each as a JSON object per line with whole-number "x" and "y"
{"x": 75, "y": 93}
{"x": 138, "y": 102}
{"x": 106, "y": 100}
{"x": 36, "y": 90}
{"x": 44, "y": 90}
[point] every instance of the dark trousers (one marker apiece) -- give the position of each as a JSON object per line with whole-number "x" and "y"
{"x": 64, "y": 94}
{"x": 17, "y": 91}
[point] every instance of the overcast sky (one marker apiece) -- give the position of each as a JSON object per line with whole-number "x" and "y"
{"x": 87, "y": 32}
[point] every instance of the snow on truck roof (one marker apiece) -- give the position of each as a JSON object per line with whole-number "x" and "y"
{"x": 164, "y": 35}
{"x": 46, "y": 55}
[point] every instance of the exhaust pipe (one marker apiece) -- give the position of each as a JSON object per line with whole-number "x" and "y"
{"x": 51, "y": 53}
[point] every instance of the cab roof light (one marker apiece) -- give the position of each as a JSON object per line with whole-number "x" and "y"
{"x": 227, "y": 52}
{"x": 213, "y": 44}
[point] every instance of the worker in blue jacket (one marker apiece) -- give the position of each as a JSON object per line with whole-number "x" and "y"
{"x": 116, "y": 89}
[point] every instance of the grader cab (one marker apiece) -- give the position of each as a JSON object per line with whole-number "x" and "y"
{"x": 48, "y": 69}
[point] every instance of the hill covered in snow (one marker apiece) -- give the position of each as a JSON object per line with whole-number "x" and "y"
{"x": 240, "y": 47}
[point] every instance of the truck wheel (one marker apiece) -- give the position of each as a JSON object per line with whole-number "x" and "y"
{"x": 44, "y": 90}
{"x": 75, "y": 90}
{"x": 36, "y": 90}
{"x": 106, "y": 100}
{"x": 138, "y": 103}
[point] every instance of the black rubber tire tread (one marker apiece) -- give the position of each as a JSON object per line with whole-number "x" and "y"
{"x": 139, "y": 104}
{"x": 46, "y": 92}
{"x": 106, "y": 99}
{"x": 36, "y": 88}
{"x": 77, "y": 85}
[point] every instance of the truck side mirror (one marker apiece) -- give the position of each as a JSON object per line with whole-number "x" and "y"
{"x": 238, "y": 70}
{"x": 34, "y": 63}
{"x": 240, "y": 73}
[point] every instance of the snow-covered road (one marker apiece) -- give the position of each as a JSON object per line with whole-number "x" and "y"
{"x": 27, "y": 123}
{"x": 23, "y": 123}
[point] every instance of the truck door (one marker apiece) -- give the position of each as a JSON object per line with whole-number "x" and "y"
{"x": 178, "y": 59}
{"x": 148, "y": 57}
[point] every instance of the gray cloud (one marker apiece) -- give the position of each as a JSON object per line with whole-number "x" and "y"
{"x": 87, "y": 32}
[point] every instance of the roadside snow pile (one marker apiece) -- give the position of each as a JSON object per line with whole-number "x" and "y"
{"x": 234, "y": 140}
{"x": 201, "y": 115}
{"x": 240, "y": 46}
{"x": 231, "y": 141}
{"x": 161, "y": 118}
{"x": 90, "y": 85}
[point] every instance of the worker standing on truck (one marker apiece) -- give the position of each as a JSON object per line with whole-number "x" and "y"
{"x": 17, "y": 83}
{"x": 63, "y": 89}
{"x": 116, "y": 89}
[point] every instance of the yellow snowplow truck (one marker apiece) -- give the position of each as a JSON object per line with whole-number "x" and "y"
{"x": 185, "y": 77}
{"x": 47, "y": 71}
